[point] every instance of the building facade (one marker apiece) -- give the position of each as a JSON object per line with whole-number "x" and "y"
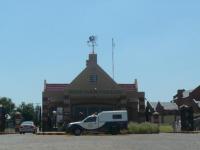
{"x": 92, "y": 91}
{"x": 190, "y": 98}
{"x": 188, "y": 102}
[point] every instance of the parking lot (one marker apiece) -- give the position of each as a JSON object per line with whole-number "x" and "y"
{"x": 101, "y": 142}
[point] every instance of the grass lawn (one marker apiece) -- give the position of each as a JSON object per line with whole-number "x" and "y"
{"x": 165, "y": 128}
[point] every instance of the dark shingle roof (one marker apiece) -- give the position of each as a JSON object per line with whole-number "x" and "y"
{"x": 186, "y": 93}
{"x": 153, "y": 105}
{"x": 169, "y": 106}
{"x": 166, "y": 105}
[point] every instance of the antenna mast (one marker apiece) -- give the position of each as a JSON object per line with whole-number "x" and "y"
{"x": 113, "y": 67}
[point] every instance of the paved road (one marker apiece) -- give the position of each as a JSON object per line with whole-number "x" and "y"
{"x": 121, "y": 142}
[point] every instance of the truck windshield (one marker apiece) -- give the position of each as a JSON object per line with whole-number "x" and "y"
{"x": 91, "y": 119}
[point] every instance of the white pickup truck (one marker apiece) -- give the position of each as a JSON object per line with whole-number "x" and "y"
{"x": 106, "y": 121}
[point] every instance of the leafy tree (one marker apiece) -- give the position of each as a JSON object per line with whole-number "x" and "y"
{"x": 30, "y": 113}
{"x": 7, "y": 104}
{"x": 27, "y": 111}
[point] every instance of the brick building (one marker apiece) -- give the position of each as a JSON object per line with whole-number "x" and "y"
{"x": 190, "y": 98}
{"x": 92, "y": 91}
{"x": 168, "y": 112}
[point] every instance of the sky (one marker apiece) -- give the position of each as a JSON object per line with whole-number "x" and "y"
{"x": 157, "y": 42}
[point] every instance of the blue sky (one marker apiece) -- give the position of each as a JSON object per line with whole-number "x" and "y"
{"x": 157, "y": 42}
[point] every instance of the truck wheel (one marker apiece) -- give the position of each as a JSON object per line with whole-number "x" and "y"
{"x": 77, "y": 131}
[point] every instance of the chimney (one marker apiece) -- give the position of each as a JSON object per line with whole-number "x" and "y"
{"x": 136, "y": 84}
{"x": 92, "y": 59}
{"x": 45, "y": 84}
{"x": 180, "y": 93}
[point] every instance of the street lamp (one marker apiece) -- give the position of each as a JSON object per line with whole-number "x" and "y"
{"x": 54, "y": 119}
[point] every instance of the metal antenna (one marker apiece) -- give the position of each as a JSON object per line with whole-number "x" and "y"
{"x": 92, "y": 42}
{"x": 113, "y": 67}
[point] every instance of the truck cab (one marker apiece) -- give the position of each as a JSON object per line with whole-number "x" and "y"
{"x": 106, "y": 121}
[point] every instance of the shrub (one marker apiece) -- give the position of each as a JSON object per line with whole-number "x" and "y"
{"x": 133, "y": 127}
{"x": 143, "y": 128}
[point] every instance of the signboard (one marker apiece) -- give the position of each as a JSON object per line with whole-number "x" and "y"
{"x": 108, "y": 92}
{"x": 59, "y": 110}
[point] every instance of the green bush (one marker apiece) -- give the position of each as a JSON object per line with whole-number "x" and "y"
{"x": 133, "y": 127}
{"x": 166, "y": 128}
{"x": 143, "y": 128}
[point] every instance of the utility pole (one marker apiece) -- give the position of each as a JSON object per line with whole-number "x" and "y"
{"x": 37, "y": 110}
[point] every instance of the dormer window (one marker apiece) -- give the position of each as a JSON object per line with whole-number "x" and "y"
{"x": 93, "y": 78}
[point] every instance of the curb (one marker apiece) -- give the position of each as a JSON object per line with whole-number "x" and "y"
{"x": 51, "y": 133}
{"x": 3, "y": 133}
{"x": 189, "y": 132}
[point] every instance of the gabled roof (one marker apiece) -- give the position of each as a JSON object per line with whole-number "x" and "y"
{"x": 169, "y": 105}
{"x": 153, "y": 105}
{"x": 104, "y": 81}
{"x": 82, "y": 81}
{"x": 195, "y": 94}
{"x": 165, "y": 105}
{"x": 150, "y": 106}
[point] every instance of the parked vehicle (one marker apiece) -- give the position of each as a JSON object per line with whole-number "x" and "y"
{"x": 27, "y": 127}
{"x": 106, "y": 121}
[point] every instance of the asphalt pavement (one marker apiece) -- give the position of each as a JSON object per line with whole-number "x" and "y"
{"x": 101, "y": 142}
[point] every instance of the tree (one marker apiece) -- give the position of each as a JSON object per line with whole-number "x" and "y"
{"x": 7, "y": 104}
{"x": 27, "y": 111}
{"x": 30, "y": 113}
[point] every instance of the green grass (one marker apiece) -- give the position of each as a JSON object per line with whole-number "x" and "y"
{"x": 165, "y": 128}
{"x": 143, "y": 128}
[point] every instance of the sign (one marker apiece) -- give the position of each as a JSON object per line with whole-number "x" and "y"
{"x": 105, "y": 92}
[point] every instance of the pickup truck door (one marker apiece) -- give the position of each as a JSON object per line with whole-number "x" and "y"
{"x": 90, "y": 123}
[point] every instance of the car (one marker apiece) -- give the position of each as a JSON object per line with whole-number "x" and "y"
{"x": 106, "y": 121}
{"x": 27, "y": 127}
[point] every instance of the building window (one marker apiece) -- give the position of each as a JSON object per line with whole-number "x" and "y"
{"x": 117, "y": 116}
{"x": 93, "y": 78}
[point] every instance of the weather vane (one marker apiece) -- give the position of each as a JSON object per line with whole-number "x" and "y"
{"x": 92, "y": 42}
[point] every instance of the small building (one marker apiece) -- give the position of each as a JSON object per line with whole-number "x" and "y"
{"x": 167, "y": 111}
{"x": 188, "y": 102}
{"x": 189, "y": 98}
{"x": 92, "y": 91}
